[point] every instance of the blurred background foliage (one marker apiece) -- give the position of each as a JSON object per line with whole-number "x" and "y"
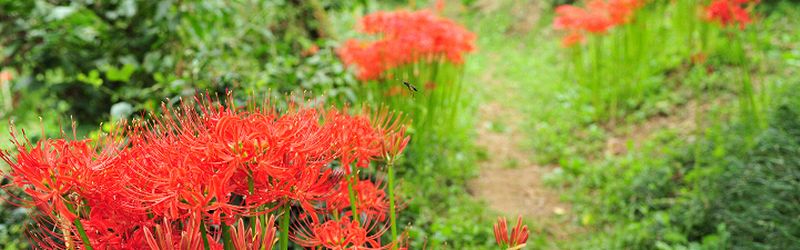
{"x": 97, "y": 60}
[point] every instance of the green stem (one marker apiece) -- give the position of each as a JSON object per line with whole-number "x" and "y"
{"x": 392, "y": 216}
{"x": 251, "y": 188}
{"x": 86, "y": 244}
{"x": 206, "y": 246}
{"x": 352, "y": 192}
{"x": 226, "y": 236}
{"x": 79, "y": 227}
{"x": 285, "y": 226}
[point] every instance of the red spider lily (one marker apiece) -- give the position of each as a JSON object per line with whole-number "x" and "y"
{"x": 621, "y": 11}
{"x": 68, "y": 180}
{"x": 359, "y": 143}
{"x": 57, "y": 174}
{"x": 519, "y": 234}
{"x": 598, "y": 17}
{"x": 391, "y": 127}
{"x": 211, "y": 164}
{"x": 439, "y": 6}
{"x": 371, "y": 200}
{"x": 5, "y": 76}
{"x": 406, "y": 37}
{"x": 311, "y": 50}
{"x": 166, "y": 236}
{"x": 339, "y": 235}
{"x": 261, "y": 238}
{"x": 729, "y": 12}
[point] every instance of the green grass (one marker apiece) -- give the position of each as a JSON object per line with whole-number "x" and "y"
{"x": 645, "y": 198}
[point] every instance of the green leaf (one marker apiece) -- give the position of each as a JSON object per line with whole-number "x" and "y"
{"x": 120, "y": 75}
{"x": 93, "y": 78}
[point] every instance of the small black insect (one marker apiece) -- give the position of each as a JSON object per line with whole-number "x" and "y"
{"x": 409, "y": 86}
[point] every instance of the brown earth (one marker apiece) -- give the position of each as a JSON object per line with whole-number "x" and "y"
{"x": 510, "y": 182}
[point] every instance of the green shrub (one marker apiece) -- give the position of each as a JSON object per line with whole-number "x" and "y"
{"x": 89, "y": 56}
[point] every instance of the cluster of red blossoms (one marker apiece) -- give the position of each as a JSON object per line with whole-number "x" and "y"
{"x": 207, "y": 175}
{"x": 730, "y": 12}
{"x": 405, "y": 37}
{"x": 598, "y": 17}
{"x": 519, "y": 234}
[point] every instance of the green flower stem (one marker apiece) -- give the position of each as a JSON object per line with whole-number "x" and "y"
{"x": 392, "y": 216}
{"x": 353, "y": 200}
{"x": 285, "y": 227}
{"x": 206, "y": 246}
{"x": 226, "y": 236}
{"x": 79, "y": 226}
{"x": 86, "y": 244}
{"x": 251, "y": 188}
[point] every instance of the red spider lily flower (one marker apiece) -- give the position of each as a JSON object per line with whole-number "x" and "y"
{"x": 339, "y": 235}
{"x": 392, "y": 128}
{"x": 262, "y": 238}
{"x": 621, "y": 11}
{"x": 196, "y": 164}
{"x": 371, "y": 200}
{"x": 283, "y": 157}
{"x": 68, "y": 180}
{"x": 311, "y": 50}
{"x": 356, "y": 137}
{"x": 598, "y": 17}
{"x": 568, "y": 17}
{"x": 572, "y": 38}
{"x": 519, "y": 234}
{"x": 406, "y": 37}
{"x": 166, "y": 236}
{"x": 57, "y": 173}
{"x": 729, "y": 12}
{"x": 439, "y": 6}
{"x": 5, "y": 76}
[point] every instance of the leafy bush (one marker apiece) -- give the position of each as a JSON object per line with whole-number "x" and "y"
{"x": 754, "y": 194}
{"x": 90, "y": 55}
{"x": 719, "y": 192}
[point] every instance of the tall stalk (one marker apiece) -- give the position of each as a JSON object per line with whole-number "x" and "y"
{"x": 352, "y": 192}
{"x": 392, "y": 209}
{"x": 226, "y": 236}
{"x": 285, "y": 226}
{"x": 79, "y": 226}
{"x": 203, "y": 233}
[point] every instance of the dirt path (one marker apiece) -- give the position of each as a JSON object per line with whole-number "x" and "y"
{"x": 510, "y": 182}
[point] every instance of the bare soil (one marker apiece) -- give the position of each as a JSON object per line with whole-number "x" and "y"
{"x": 510, "y": 182}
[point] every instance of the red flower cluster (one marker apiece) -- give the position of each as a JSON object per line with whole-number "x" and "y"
{"x": 729, "y": 12}
{"x": 163, "y": 183}
{"x": 598, "y": 17}
{"x": 519, "y": 234}
{"x": 406, "y": 37}
{"x": 340, "y": 234}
